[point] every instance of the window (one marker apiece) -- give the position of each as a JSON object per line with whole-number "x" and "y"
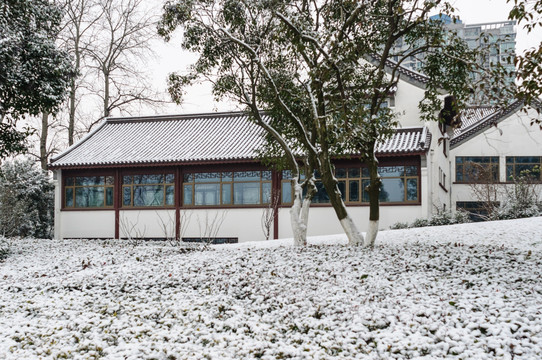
{"x": 213, "y": 241}
{"x": 399, "y": 184}
{"x": 517, "y": 166}
{"x": 88, "y": 191}
{"x": 227, "y": 188}
{"x": 148, "y": 190}
{"x": 478, "y": 210}
{"x": 477, "y": 169}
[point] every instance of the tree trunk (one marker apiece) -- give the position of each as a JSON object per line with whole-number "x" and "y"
{"x": 330, "y": 183}
{"x": 374, "y": 208}
{"x": 106, "y": 94}
{"x": 43, "y": 140}
{"x": 299, "y": 213}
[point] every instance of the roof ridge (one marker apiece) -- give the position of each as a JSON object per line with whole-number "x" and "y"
{"x": 178, "y": 116}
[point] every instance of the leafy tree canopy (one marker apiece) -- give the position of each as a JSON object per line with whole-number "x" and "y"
{"x": 528, "y": 13}
{"x": 34, "y": 73}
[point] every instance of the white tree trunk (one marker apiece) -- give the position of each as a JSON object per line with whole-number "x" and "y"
{"x": 299, "y": 214}
{"x": 351, "y": 231}
{"x": 371, "y": 233}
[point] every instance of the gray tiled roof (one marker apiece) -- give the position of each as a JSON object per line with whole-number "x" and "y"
{"x": 478, "y": 119}
{"x": 192, "y": 138}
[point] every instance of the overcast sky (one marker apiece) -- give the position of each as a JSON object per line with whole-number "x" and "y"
{"x": 199, "y": 99}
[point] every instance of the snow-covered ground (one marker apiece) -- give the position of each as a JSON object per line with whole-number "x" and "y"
{"x": 471, "y": 291}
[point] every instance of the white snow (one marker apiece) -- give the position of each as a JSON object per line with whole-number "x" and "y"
{"x": 471, "y": 291}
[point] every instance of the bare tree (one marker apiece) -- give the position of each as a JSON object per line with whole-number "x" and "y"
{"x": 268, "y": 215}
{"x": 485, "y": 187}
{"x": 122, "y": 38}
{"x": 80, "y": 20}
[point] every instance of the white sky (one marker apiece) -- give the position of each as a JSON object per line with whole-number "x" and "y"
{"x": 199, "y": 98}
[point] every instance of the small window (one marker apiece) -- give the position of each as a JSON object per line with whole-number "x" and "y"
{"x": 213, "y": 240}
{"x": 477, "y": 169}
{"x": 148, "y": 190}
{"x": 88, "y": 191}
{"x": 528, "y": 167}
{"x": 227, "y": 188}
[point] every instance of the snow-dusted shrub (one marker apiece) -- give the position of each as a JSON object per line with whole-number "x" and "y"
{"x": 461, "y": 217}
{"x": 26, "y": 200}
{"x": 441, "y": 218}
{"x": 522, "y": 198}
{"x": 4, "y": 248}
{"x": 399, "y": 225}
{"x": 420, "y": 223}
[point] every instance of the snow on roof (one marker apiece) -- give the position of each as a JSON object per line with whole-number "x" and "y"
{"x": 477, "y": 119}
{"x": 212, "y": 137}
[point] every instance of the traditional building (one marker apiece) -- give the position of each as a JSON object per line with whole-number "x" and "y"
{"x": 199, "y": 176}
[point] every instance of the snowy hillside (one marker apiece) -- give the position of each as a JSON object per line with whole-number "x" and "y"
{"x": 471, "y": 291}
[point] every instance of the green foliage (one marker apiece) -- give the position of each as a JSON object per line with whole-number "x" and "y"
{"x": 528, "y": 13}
{"x": 26, "y": 201}
{"x": 34, "y": 73}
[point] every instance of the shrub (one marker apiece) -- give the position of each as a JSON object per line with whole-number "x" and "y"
{"x": 399, "y": 225}
{"x": 420, "y": 223}
{"x": 4, "y": 248}
{"x": 26, "y": 201}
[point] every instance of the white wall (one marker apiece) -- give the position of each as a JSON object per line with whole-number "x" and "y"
{"x": 513, "y": 136}
{"x": 147, "y": 223}
{"x": 407, "y": 99}
{"x": 244, "y": 224}
{"x": 87, "y": 224}
{"x": 323, "y": 221}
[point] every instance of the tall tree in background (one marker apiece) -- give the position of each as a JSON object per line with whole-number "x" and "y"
{"x": 121, "y": 42}
{"x": 528, "y": 13}
{"x": 34, "y": 73}
{"x": 324, "y": 71}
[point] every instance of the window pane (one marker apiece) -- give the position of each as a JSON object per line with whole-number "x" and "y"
{"x": 392, "y": 190}
{"x": 353, "y": 173}
{"x": 246, "y": 193}
{"x": 127, "y": 196}
{"x": 412, "y": 189}
{"x": 89, "y": 180}
{"x": 149, "y": 195}
{"x": 108, "y": 196}
{"x": 321, "y": 196}
{"x": 340, "y": 173}
{"x": 170, "y": 178}
{"x": 89, "y": 197}
{"x": 286, "y": 174}
{"x": 187, "y": 194}
{"x": 69, "y": 197}
{"x": 226, "y": 194}
{"x": 227, "y": 176}
{"x": 266, "y": 192}
{"x": 207, "y": 177}
{"x": 286, "y": 192}
{"x": 353, "y": 194}
{"x": 247, "y": 175}
{"x": 69, "y": 181}
{"x": 365, "y": 172}
{"x": 109, "y": 180}
{"x": 207, "y": 194}
{"x": 411, "y": 170}
{"x": 266, "y": 175}
{"x": 149, "y": 179}
{"x": 170, "y": 195}
{"x": 127, "y": 180}
{"x": 188, "y": 177}
{"x": 391, "y": 171}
